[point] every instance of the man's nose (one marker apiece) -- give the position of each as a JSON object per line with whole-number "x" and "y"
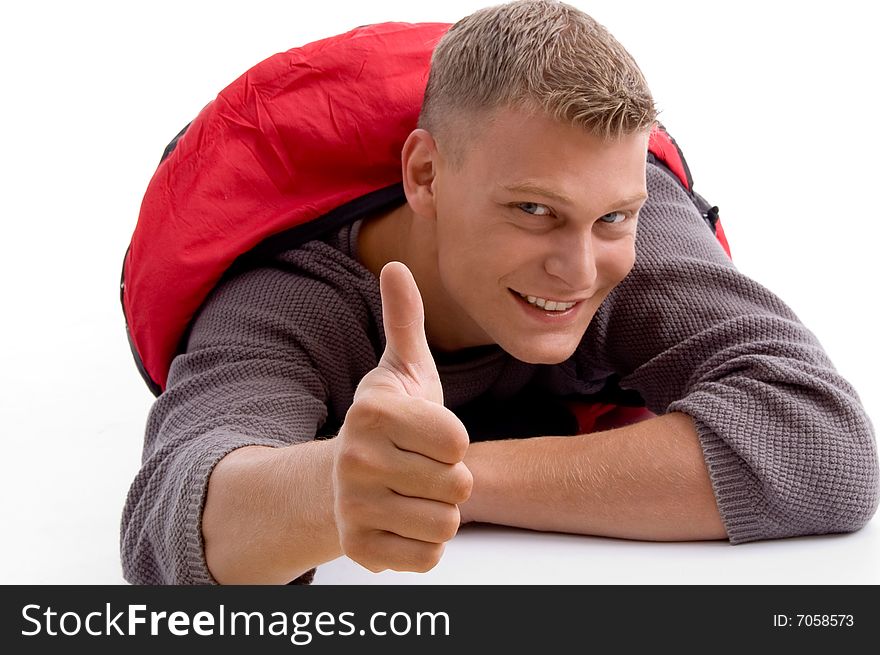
{"x": 573, "y": 259}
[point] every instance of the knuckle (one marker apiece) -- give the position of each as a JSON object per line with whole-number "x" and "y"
{"x": 457, "y": 440}
{"x": 445, "y": 430}
{"x": 447, "y": 527}
{"x": 426, "y": 558}
{"x": 461, "y": 483}
{"x": 438, "y": 433}
{"x": 368, "y": 414}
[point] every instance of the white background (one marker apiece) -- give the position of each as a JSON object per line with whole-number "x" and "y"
{"x": 773, "y": 103}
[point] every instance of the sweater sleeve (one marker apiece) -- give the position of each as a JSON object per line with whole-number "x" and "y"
{"x": 272, "y": 359}
{"x": 789, "y": 448}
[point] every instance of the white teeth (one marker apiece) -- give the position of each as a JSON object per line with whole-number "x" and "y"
{"x": 548, "y": 305}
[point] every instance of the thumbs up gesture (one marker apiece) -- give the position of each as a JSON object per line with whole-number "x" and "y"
{"x": 398, "y": 474}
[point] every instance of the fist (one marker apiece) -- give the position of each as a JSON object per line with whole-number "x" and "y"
{"x": 398, "y": 472}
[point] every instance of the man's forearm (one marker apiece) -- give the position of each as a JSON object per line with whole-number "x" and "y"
{"x": 645, "y": 481}
{"x": 269, "y": 515}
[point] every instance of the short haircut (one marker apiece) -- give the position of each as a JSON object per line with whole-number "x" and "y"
{"x": 536, "y": 55}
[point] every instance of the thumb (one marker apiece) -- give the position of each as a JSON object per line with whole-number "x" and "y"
{"x": 407, "y": 354}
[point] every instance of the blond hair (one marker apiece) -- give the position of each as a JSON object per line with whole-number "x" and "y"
{"x": 537, "y": 55}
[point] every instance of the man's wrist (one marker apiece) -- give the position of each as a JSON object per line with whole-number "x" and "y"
{"x": 261, "y": 526}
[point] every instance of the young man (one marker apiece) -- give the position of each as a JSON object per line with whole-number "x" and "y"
{"x": 535, "y": 256}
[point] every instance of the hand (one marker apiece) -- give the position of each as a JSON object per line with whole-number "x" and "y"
{"x": 398, "y": 473}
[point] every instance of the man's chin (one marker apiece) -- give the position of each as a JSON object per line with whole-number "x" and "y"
{"x": 544, "y": 355}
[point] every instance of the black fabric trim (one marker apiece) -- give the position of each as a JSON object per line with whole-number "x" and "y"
{"x": 687, "y": 169}
{"x": 154, "y": 388}
{"x": 654, "y": 159}
{"x": 173, "y": 144}
{"x": 373, "y": 202}
{"x": 709, "y": 212}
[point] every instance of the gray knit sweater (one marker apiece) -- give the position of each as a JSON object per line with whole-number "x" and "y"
{"x": 276, "y": 353}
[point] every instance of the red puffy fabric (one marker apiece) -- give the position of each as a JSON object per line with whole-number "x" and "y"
{"x": 297, "y": 135}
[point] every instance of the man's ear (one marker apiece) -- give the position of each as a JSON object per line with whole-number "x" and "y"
{"x": 419, "y": 160}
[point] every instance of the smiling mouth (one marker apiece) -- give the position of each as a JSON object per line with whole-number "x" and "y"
{"x": 545, "y": 304}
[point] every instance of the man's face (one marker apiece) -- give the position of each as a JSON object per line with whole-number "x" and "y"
{"x": 537, "y": 209}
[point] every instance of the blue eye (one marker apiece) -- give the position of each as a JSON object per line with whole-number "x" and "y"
{"x": 534, "y": 209}
{"x": 621, "y": 218}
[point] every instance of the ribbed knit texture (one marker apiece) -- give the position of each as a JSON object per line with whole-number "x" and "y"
{"x": 276, "y": 353}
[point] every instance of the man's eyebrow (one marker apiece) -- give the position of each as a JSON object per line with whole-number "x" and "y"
{"x": 632, "y": 200}
{"x": 537, "y": 190}
{"x": 532, "y": 189}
